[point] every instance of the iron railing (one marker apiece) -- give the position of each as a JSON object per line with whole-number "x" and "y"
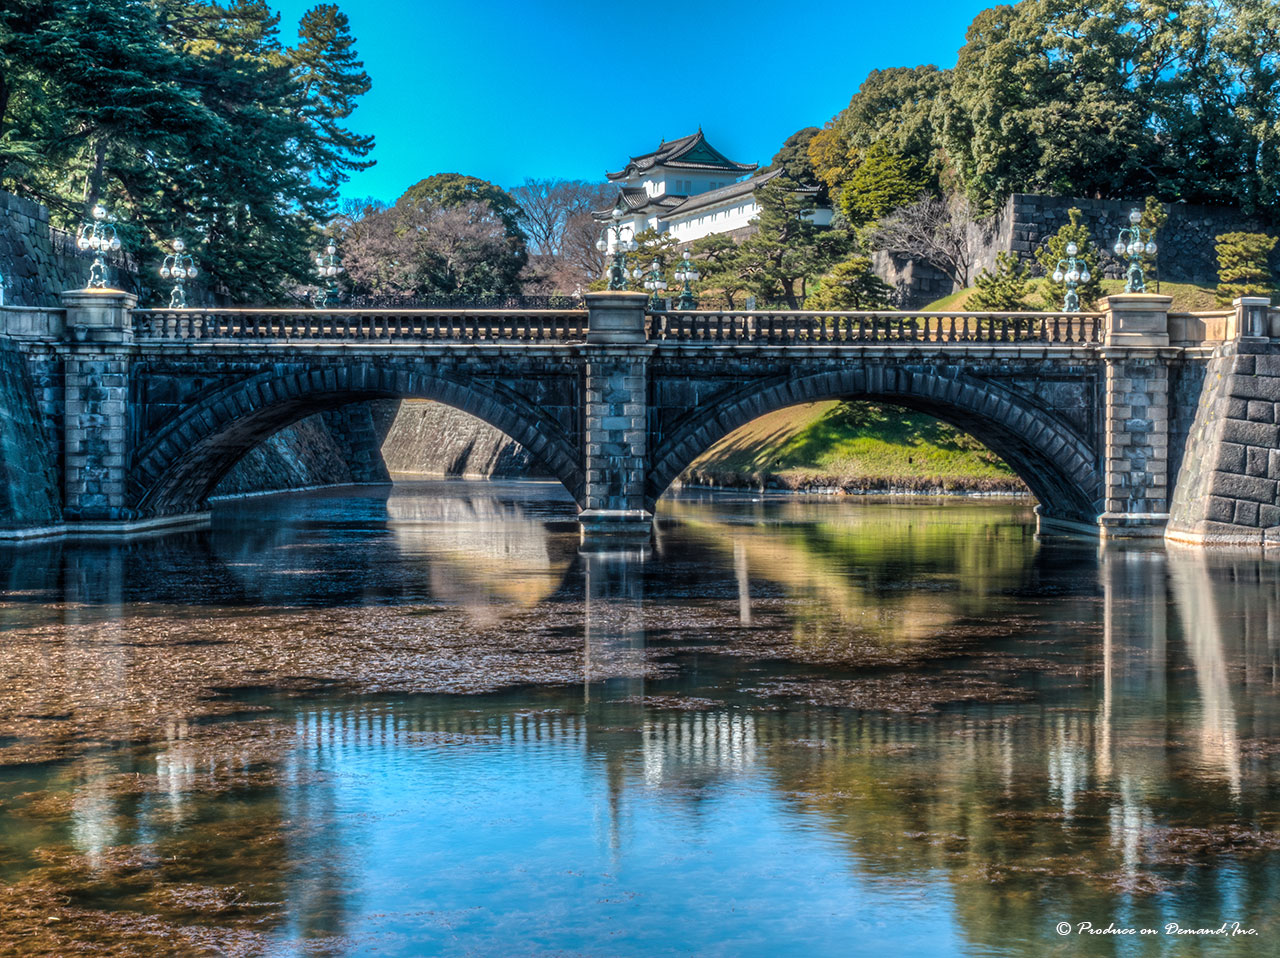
{"x": 423, "y": 325}
{"x": 807, "y": 327}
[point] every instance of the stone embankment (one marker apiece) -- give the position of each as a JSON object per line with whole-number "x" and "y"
{"x": 430, "y": 440}
{"x": 29, "y": 494}
{"x": 418, "y": 439}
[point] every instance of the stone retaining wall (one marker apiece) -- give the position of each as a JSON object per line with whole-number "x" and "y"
{"x": 38, "y": 262}
{"x": 1026, "y": 221}
{"x": 1229, "y": 491}
{"x": 29, "y": 494}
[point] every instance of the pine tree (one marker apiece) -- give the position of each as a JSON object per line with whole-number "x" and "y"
{"x": 1005, "y": 290}
{"x": 1244, "y": 267}
{"x": 850, "y": 285}
{"x": 331, "y": 78}
{"x": 1054, "y": 251}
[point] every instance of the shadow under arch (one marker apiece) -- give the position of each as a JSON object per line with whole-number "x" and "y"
{"x": 178, "y": 468}
{"x": 1059, "y": 467}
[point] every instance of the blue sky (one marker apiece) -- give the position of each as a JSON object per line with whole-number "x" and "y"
{"x": 504, "y": 90}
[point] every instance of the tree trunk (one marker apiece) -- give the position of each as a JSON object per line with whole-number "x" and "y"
{"x": 93, "y": 181}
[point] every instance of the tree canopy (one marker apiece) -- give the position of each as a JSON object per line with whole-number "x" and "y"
{"x": 1179, "y": 99}
{"x": 185, "y": 118}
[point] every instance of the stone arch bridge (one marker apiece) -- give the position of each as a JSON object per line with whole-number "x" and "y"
{"x": 140, "y": 412}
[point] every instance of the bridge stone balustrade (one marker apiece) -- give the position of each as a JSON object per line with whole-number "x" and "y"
{"x": 1114, "y": 419}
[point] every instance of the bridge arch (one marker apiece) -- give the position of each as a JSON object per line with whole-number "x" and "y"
{"x": 1058, "y": 466}
{"x": 178, "y": 468}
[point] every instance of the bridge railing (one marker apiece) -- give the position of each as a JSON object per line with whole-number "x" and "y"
{"x": 378, "y": 325}
{"x": 803, "y": 326}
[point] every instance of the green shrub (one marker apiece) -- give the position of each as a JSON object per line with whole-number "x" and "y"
{"x": 1003, "y": 291}
{"x": 1054, "y": 252}
{"x": 1243, "y": 265}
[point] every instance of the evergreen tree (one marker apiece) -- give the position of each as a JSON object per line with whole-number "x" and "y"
{"x": 1054, "y": 251}
{"x": 185, "y": 118}
{"x": 1244, "y": 267}
{"x": 788, "y": 251}
{"x": 850, "y": 285}
{"x": 331, "y": 78}
{"x": 721, "y": 268}
{"x": 1005, "y": 290}
{"x": 881, "y": 183}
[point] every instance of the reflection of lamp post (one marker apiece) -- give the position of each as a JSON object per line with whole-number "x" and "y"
{"x": 99, "y": 236}
{"x": 1131, "y": 243}
{"x": 612, "y": 241}
{"x": 178, "y": 266}
{"x": 686, "y": 273}
{"x": 1, "y": 289}
{"x": 1076, "y": 272}
{"x": 328, "y": 266}
{"x": 654, "y": 282}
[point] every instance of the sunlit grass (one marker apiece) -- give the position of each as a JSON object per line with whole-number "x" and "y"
{"x": 853, "y": 443}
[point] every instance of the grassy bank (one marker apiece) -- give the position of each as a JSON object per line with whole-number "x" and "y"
{"x": 853, "y": 446}
{"x": 1187, "y": 298}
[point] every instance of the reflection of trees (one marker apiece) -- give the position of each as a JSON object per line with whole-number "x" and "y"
{"x": 891, "y": 572}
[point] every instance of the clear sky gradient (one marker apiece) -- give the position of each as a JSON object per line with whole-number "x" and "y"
{"x": 504, "y": 90}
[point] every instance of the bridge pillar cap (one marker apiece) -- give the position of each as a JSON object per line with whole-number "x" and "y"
{"x": 1251, "y": 301}
{"x": 1137, "y": 301}
{"x": 617, "y": 297}
{"x": 98, "y": 298}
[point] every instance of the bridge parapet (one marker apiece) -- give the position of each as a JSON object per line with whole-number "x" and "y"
{"x": 380, "y": 325}
{"x": 804, "y": 326}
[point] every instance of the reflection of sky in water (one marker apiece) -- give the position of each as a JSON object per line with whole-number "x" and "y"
{"x": 505, "y": 845}
{"x": 592, "y": 819}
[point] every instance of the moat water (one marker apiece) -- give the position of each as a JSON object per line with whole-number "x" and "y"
{"x": 418, "y": 721}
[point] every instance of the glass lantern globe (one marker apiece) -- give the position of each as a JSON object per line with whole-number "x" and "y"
{"x": 1058, "y": 276}
{"x": 1118, "y": 249}
{"x": 82, "y": 243}
{"x": 164, "y": 272}
{"x": 601, "y": 245}
{"x": 99, "y": 213}
{"x": 1150, "y": 249}
{"x": 1073, "y": 276}
{"x": 1135, "y": 217}
{"x": 191, "y": 272}
{"x": 1072, "y": 249}
{"x": 1085, "y": 276}
{"x": 115, "y": 242}
{"x": 331, "y": 249}
{"x": 178, "y": 245}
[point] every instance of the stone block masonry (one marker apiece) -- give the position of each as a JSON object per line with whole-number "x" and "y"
{"x": 1229, "y": 491}
{"x": 143, "y": 426}
{"x": 29, "y": 494}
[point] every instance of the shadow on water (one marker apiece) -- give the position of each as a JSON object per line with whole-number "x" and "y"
{"x": 423, "y": 724}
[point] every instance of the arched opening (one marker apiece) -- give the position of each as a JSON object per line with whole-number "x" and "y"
{"x": 1058, "y": 467}
{"x": 191, "y": 453}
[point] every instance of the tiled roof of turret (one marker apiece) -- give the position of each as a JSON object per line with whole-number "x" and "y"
{"x": 635, "y": 200}
{"x": 691, "y": 152}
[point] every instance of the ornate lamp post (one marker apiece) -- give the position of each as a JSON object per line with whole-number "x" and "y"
{"x": 100, "y": 236}
{"x": 612, "y": 241}
{"x": 1073, "y": 272}
{"x": 654, "y": 282}
{"x": 686, "y": 273}
{"x": 178, "y": 266}
{"x": 1134, "y": 242}
{"x": 328, "y": 265}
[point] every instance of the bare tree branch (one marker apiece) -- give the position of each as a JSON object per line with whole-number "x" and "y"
{"x": 933, "y": 230}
